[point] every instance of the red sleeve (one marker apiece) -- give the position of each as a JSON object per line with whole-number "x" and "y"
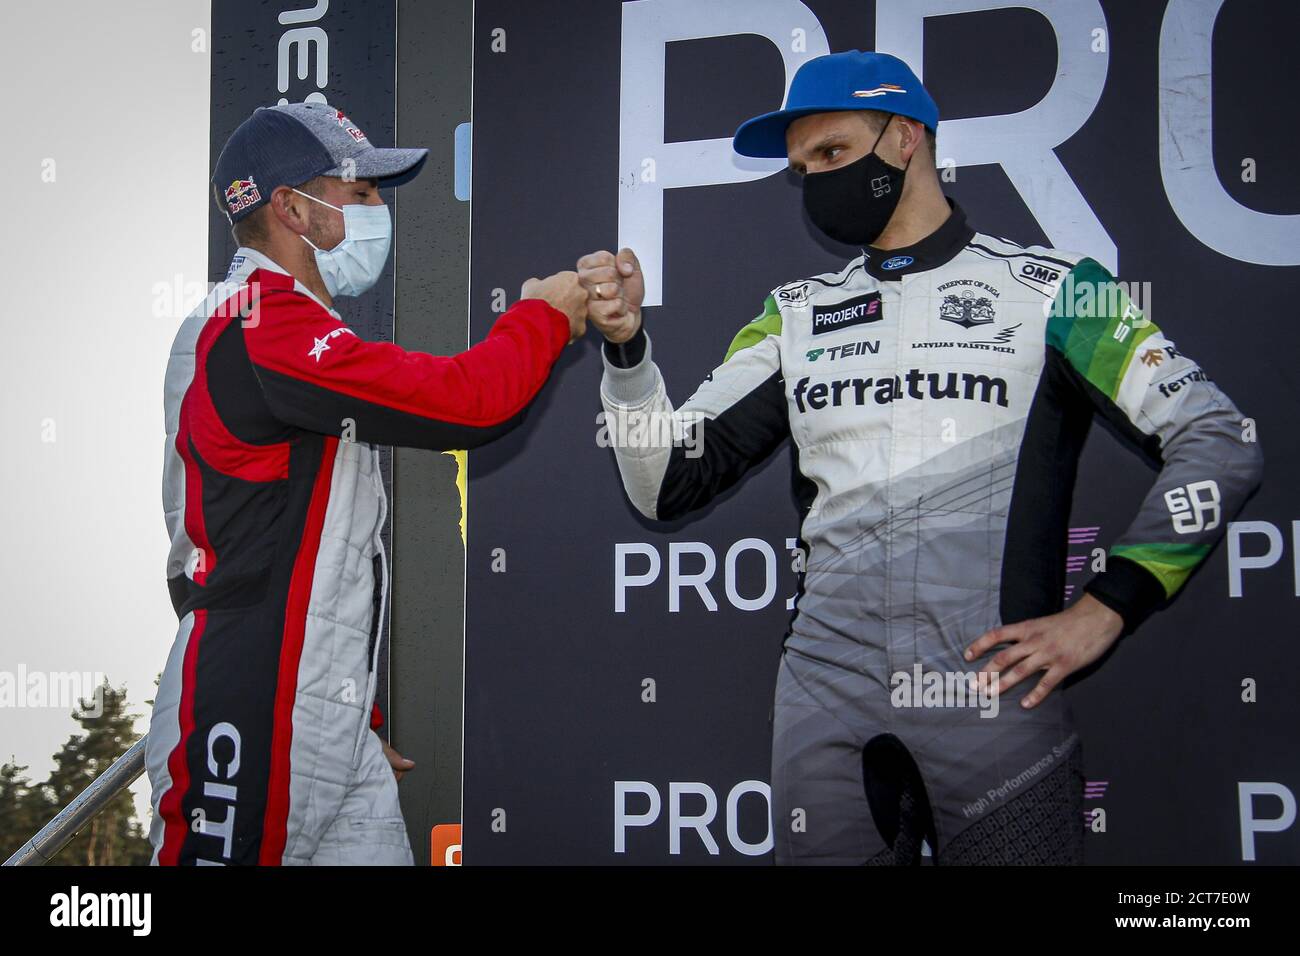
{"x": 318, "y": 375}
{"x": 376, "y": 716}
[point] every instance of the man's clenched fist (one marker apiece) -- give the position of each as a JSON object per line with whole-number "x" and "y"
{"x": 615, "y": 288}
{"x": 564, "y": 292}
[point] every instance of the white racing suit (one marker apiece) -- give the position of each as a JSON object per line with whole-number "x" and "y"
{"x": 938, "y": 398}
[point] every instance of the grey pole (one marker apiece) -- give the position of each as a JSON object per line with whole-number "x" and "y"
{"x": 56, "y": 834}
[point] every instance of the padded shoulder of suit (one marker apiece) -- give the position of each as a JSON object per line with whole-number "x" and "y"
{"x": 1041, "y": 268}
{"x": 801, "y": 287}
{"x": 268, "y": 282}
{"x": 280, "y": 292}
{"x": 1009, "y": 248}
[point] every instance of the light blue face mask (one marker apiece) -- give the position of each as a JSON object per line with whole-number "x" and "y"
{"x": 354, "y": 265}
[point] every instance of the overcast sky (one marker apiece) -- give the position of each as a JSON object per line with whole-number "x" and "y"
{"x": 106, "y": 160}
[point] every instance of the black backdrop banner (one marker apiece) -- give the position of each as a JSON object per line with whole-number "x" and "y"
{"x": 618, "y": 697}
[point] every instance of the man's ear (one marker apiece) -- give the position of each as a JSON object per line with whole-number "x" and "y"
{"x": 290, "y": 209}
{"x": 912, "y": 132}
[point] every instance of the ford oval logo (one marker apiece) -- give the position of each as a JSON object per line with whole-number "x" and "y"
{"x": 897, "y": 262}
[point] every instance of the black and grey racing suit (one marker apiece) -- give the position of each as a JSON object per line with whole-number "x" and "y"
{"x": 938, "y": 398}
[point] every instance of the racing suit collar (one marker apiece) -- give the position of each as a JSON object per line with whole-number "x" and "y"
{"x": 931, "y": 252}
{"x": 248, "y": 260}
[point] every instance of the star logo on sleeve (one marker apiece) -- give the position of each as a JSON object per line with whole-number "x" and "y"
{"x": 323, "y": 344}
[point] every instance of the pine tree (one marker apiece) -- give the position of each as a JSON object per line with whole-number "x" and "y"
{"x": 114, "y": 836}
{"x": 23, "y": 809}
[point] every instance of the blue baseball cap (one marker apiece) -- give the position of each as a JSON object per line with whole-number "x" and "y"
{"x": 839, "y": 81}
{"x": 290, "y": 144}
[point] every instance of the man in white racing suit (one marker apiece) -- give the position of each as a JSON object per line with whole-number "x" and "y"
{"x": 938, "y": 390}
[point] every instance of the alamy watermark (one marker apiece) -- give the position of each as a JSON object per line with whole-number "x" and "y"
{"x": 62, "y": 690}
{"x": 922, "y": 688}
{"x": 652, "y": 429}
{"x": 1130, "y": 300}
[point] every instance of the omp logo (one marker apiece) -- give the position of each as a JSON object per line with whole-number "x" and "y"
{"x": 693, "y": 806}
{"x": 845, "y": 351}
{"x": 795, "y": 294}
{"x": 74, "y": 908}
{"x": 851, "y": 312}
{"x": 1037, "y": 273}
{"x": 915, "y": 385}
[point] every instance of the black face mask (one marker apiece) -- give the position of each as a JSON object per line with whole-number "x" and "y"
{"x": 854, "y": 203}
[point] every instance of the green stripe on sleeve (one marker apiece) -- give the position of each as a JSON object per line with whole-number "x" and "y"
{"x": 769, "y": 323}
{"x": 1170, "y": 563}
{"x": 1096, "y": 327}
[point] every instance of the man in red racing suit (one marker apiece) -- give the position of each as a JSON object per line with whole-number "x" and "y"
{"x": 260, "y": 749}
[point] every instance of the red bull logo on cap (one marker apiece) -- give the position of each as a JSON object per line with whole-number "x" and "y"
{"x": 241, "y": 194}
{"x": 353, "y": 131}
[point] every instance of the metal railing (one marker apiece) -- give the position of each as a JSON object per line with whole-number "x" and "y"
{"x": 56, "y": 834}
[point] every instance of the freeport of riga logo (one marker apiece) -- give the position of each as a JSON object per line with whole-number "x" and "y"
{"x": 967, "y": 309}
{"x": 970, "y": 304}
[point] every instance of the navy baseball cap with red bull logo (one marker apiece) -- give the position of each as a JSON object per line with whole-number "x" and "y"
{"x": 839, "y": 81}
{"x": 290, "y": 144}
